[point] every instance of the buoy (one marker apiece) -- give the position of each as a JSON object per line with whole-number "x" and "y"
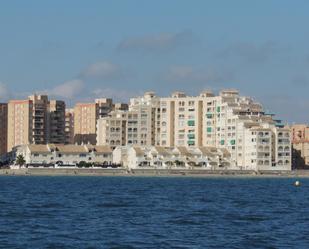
{"x": 297, "y": 183}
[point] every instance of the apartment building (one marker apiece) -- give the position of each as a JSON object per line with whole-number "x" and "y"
{"x": 36, "y": 120}
{"x": 300, "y": 142}
{"x": 40, "y": 123}
{"x": 56, "y": 122}
{"x": 69, "y": 126}
{"x": 105, "y": 106}
{"x": 85, "y": 118}
{"x": 299, "y": 133}
{"x": 112, "y": 130}
{"x": 136, "y": 126}
{"x": 20, "y": 124}
{"x": 3, "y": 127}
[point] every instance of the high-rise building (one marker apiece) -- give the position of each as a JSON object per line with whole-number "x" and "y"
{"x": 85, "y": 118}
{"x": 20, "y": 124}
{"x": 69, "y": 126}
{"x": 112, "y": 130}
{"x": 105, "y": 106}
{"x": 135, "y": 126}
{"x": 35, "y": 121}
{"x": 228, "y": 121}
{"x": 56, "y": 122}
{"x": 300, "y": 133}
{"x": 40, "y": 119}
{"x": 3, "y": 127}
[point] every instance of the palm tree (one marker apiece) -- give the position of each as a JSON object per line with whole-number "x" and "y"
{"x": 20, "y": 160}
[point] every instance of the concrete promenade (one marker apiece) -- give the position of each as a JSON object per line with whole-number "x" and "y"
{"x": 151, "y": 172}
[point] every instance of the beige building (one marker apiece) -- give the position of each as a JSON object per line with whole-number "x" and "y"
{"x": 85, "y": 118}
{"x": 299, "y": 133}
{"x": 136, "y": 126}
{"x": 300, "y": 141}
{"x": 20, "y": 124}
{"x": 35, "y": 121}
{"x": 301, "y": 155}
{"x": 3, "y": 127}
{"x": 111, "y": 130}
{"x": 69, "y": 126}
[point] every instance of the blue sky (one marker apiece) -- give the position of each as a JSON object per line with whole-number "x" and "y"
{"x": 80, "y": 50}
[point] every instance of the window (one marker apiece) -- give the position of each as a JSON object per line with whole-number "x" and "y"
{"x": 191, "y": 123}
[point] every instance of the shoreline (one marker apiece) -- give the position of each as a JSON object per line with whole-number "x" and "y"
{"x": 152, "y": 173}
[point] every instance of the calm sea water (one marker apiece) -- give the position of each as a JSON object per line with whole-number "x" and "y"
{"x": 146, "y": 212}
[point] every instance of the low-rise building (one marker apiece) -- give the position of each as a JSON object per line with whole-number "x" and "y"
{"x": 172, "y": 157}
{"x": 42, "y": 154}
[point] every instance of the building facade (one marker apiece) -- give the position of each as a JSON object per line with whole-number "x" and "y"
{"x": 3, "y": 127}
{"x": 36, "y": 120}
{"x": 43, "y": 154}
{"x": 226, "y": 121}
{"x": 56, "y": 122}
{"x": 135, "y": 157}
{"x": 69, "y": 126}
{"x": 85, "y": 118}
{"x": 20, "y": 124}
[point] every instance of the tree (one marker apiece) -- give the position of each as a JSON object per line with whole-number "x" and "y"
{"x": 20, "y": 160}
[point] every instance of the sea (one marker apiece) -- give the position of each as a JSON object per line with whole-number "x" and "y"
{"x": 153, "y": 212}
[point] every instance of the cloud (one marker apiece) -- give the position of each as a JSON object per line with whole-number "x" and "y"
{"x": 115, "y": 94}
{"x": 68, "y": 89}
{"x": 189, "y": 74}
{"x": 251, "y": 52}
{"x": 103, "y": 70}
{"x": 156, "y": 42}
{"x": 4, "y": 92}
{"x": 300, "y": 81}
{"x": 286, "y": 107}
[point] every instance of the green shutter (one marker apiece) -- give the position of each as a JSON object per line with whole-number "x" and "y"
{"x": 190, "y": 142}
{"x": 208, "y": 129}
{"x": 191, "y": 136}
{"x": 218, "y": 109}
{"x": 222, "y": 142}
{"x": 209, "y": 115}
{"x": 232, "y": 142}
{"x": 191, "y": 122}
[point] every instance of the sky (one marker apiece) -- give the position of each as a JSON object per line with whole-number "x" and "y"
{"x": 80, "y": 50}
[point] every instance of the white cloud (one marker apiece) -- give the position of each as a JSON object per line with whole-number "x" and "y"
{"x": 251, "y": 52}
{"x": 68, "y": 89}
{"x": 189, "y": 74}
{"x": 116, "y": 94}
{"x": 103, "y": 70}
{"x": 4, "y": 92}
{"x": 156, "y": 42}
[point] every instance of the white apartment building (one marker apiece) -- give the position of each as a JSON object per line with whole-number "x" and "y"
{"x": 226, "y": 121}
{"x": 111, "y": 130}
{"x": 135, "y": 126}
